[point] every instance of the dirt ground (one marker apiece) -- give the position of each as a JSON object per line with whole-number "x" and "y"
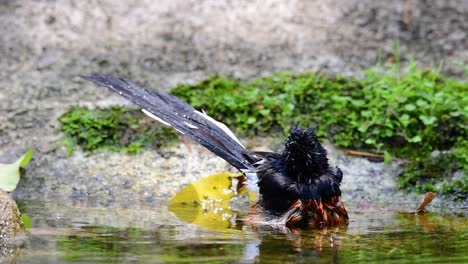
{"x": 45, "y": 45}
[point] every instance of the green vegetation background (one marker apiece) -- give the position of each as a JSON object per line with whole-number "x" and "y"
{"x": 415, "y": 115}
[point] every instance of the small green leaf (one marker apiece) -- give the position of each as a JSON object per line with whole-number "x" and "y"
{"x": 366, "y": 113}
{"x": 265, "y": 112}
{"x": 26, "y": 221}
{"x": 428, "y": 120}
{"x": 404, "y": 120}
{"x": 422, "y": 103}
{"x": 10, "y": 173}
{"x": 363, "y": 127}
{"x": 410, "y": 107}
{"x": 387, "y": 157}
{"x": 415, "y": 139}
{"x": 68, "y": 144}
{"x": 251, "y": 120}
{"x": 358, "y": 103}
{"x": 26, "y": 158}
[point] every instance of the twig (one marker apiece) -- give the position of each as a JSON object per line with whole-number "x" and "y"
{"x": 363, "y": 154}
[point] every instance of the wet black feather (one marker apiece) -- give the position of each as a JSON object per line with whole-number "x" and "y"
{"x": 304, "y": 155}
{"x": 301, "y": 171}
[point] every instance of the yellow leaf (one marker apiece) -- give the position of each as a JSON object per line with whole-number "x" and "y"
{"x": 206, "y": 202}
{"x": 214, "y": 188}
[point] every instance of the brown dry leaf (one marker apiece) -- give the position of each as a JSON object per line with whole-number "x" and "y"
{"x": 427, "y": 199}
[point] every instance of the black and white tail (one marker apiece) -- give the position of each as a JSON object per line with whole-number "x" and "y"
{"x": 173, "y": 112}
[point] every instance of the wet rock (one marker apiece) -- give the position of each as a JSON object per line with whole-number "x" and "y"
{"x": 12, "y": 234}
{"x": 11, "y": 224}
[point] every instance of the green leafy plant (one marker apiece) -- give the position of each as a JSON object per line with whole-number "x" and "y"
{"x": 115, "y": 129}
{"x": 10, "y": 173}
{"x": 266, "y": 104}
{"x": 405, "y": 113}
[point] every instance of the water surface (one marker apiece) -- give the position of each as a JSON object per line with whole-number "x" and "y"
{"x": 84, "y": 232}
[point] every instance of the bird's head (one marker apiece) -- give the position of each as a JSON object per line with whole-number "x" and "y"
{"x": 304, "y": 155}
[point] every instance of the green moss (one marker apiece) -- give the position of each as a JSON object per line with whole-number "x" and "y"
{"x": 266, "y": 104}
{"x": 115, "y": 128}
{"x": 406, "y": 113}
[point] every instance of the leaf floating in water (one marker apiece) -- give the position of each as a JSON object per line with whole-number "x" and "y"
{"x": 10, "y": 173}
{"x": 213, "y": 188}
{"x": 206, "y": 202}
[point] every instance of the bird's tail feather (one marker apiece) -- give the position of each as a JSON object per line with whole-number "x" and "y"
{"x": 171, "y": 111}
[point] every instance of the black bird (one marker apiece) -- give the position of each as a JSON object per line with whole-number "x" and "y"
{"x": 297, "y": 187}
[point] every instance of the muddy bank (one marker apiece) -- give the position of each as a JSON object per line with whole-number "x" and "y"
{"x": 45, "y": 45}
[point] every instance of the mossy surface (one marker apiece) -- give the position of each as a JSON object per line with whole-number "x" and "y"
{"x": 404, "y": 113}
{"x": 115, "y": 129}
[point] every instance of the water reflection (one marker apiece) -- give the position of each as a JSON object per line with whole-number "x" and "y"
{"x": 151, "y": 234}
{"x": 309, "y": 246}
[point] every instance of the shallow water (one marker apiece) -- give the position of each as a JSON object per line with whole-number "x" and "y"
{"x": 85, "y": 232}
